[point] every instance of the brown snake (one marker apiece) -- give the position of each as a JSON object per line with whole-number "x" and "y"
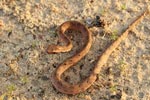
{"x": 62, "y": 85}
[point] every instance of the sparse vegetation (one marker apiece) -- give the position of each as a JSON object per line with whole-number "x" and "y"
{"x": 103, "y": 11}
{"x": 11, "y": 88}
{"x": 24, "y": 79}
{"x": 2, "y": 97}
{"x": 81, "y": 95}
{"x": 123, "y": 7}
{"x": 114, "y": 35}
{"x": 34, "y": 44}
{"x": 122, "y": 65}
{"x": 113, "y": 88}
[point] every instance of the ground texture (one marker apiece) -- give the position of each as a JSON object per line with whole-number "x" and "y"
{"x": 27, "y": 27}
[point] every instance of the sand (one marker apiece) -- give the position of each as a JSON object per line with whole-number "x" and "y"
{"x": 27, "y": 27}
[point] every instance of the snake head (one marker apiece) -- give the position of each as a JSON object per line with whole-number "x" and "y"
{"x": 52, "y": 49}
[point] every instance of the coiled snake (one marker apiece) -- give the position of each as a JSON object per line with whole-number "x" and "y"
{"x": 62, "y": 85}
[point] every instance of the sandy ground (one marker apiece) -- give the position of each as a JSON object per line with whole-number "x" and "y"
{"x": 28, "y": 26}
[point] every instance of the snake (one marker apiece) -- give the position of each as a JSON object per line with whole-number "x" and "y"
{"x": 56, "y": 76}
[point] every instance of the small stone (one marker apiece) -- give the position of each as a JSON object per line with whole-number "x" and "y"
{"x": 44, "y": 78}
{"x": 141, "y": 94}
{"x": 30, "y": 37}
{"x": 128, "y": 91}
{"x": 89, "y": 20}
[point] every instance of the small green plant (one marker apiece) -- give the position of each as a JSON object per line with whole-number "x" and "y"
{"x": 113, "y": 88}
{"x": 123, "y": 7}
{"x": 11, "y": 88}
{"x": 114, "y": 35}
{"x": 34, "y": 44}
{"x": 102, "y": 12}
{"x": 24, "y": 79}
{"x": 2, "y": 97}
{"x": 122, "y": 65}
{"x": 81, "y": 95}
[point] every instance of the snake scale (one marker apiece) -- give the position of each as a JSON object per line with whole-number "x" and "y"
{"x": 57, "y": 81}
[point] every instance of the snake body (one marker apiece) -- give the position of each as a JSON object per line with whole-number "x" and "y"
{"x": 56, "y": 79}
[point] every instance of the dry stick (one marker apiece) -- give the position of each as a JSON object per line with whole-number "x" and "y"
{"x": 67, "y": 88}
